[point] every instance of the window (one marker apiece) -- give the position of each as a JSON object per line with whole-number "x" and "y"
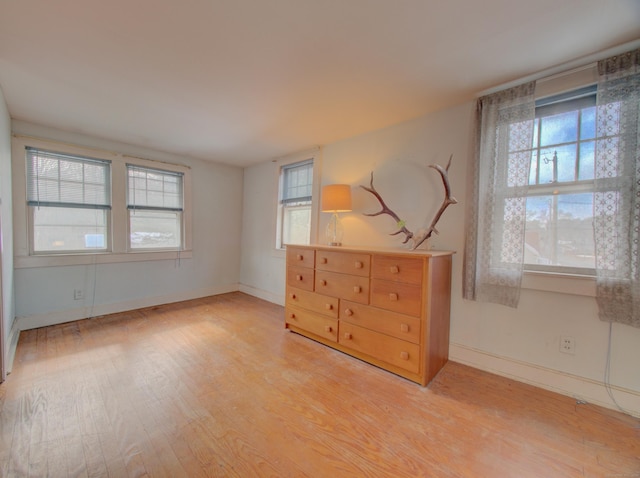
{"x": 155, "y": 205}
{"x": 69, "y": 202}
{"x": 559, "y": 207}
{"x": 294, "y": 212}
{"x": 75, "y": 205}
{"x": 555, "y": 188}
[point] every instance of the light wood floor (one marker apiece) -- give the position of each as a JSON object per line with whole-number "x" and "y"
{"x": 217, "y": 387}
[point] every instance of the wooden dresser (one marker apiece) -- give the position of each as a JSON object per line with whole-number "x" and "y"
{"x": 388, "y": 307}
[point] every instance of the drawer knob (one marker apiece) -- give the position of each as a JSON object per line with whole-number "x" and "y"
{"x": 348, "y": 312}
{"x": 394, "y": 269}
{"x": 292, "y": 315}
{"x": 292, "y": 295}
{"x": 298, "y": 277}
{"x": 393, "y": 296}
{"x": 347, "y": 335}
{"x": 358, "y": 265}
{"x": 329, "y": 306}
{"x": 323, "y": 260}
{"x": 300, "y": 257}
{"x": 404, "y": 355}
{"x": 357, "y": 289}
{"x": 404, "y": 328}
{"x": 323, "y": 282}
{"x": 327, "y": 328}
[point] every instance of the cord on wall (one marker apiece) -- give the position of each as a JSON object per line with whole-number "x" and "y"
{"x": 607, "y": 374}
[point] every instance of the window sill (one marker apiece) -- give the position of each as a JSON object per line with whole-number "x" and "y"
{"x": 561, "y": 283}
{"x": 25, "y": 262}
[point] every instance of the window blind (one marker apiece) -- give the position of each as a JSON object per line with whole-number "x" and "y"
{"x": 297, "y": 182}
{"x": 154, "y": 189}
{"x": 61, "y": 180}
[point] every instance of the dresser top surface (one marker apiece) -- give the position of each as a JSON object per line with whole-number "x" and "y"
{"x": 373, "y": 249}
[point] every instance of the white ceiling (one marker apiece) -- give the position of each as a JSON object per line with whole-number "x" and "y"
{"x": 244, "y": 81}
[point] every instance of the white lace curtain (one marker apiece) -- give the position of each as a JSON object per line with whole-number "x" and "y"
{"x": 617, "y": 183}
{"x": 494, "y": 251}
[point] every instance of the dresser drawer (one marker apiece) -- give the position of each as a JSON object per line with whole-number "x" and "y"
{"x": 317, "y": 324}
{"x": 321, "y": 304}
{"x": 344, "y": 286}
{"x": 300, "y": 257}
{"x": 300, "y": 277}
{"x": 397, "y": 296}
{"x": 344, "y": 262}
{"x": 394, "y": 351}
{"x": 397, "y": 268}
{"x": 402, "y": 326}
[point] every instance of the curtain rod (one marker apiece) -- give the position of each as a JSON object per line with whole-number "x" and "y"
{"x": 575, "y": 66}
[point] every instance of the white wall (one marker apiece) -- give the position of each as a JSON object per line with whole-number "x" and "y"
{"x": 213, "y": 268}
{"x": 6, "y": 246}
{"x": 262, "y": 270}
{"x": 521, "y": 343}
{"x": 262, "y": 266}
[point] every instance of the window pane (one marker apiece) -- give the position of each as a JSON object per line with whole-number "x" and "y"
{"x": 561, "y": 128}
{"x": 566, "y": 157}
{"x": 547, "y": 161}
{"x": 155, "y": 229}
{"x": 559, "y": 230}
{"x": 296, "y": 227}
{"x": 587, "y": 160}
{"x": 588, "y": 123}
{"x": 533, "y": 171}
{"x": 58, "y": 229}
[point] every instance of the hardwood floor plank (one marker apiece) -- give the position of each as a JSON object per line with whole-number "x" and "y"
{"x": 216, "y": 387}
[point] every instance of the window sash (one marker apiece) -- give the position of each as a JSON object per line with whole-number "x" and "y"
{"x": 151, "y": 229}
{"x": 291, "y": 234}
{"x": 62, "y": 180}
{"x": 88, "y": 237}
{"x": 154, "y": 189}
{"x": 297, "y": 182}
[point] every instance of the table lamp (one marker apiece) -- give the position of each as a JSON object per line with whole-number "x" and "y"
{"x": 336, "y": 198}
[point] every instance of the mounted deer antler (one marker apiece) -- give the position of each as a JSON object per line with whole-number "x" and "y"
{"x": 423, "y": 235}
{"x": 385, "y": 210}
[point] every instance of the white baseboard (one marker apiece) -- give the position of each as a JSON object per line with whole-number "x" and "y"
{"x": 60, "y": 317}
{"x": 584, "y": 389}
{"x": 262, "y": 294}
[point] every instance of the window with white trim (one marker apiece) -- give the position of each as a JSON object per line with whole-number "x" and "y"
{"x": 559, "y": 221}
{"x": 295, "y": 203}
{"x": 155, "y": 205}
{"x": 72, "y": 205}
{"x": 69, "y": 202}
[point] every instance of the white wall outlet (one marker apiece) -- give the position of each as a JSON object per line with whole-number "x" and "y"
{"x": 567, "y": 344}
{"x": 78, "y": 294}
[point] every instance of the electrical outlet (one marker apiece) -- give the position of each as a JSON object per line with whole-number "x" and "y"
{"x": 78, "y": 294}
{"x": 567, "y": 344}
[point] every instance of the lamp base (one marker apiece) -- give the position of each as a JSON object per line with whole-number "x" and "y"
{"x": 334, "y": 231}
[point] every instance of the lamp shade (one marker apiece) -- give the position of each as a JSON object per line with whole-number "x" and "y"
{"x": 336, "y": 198}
